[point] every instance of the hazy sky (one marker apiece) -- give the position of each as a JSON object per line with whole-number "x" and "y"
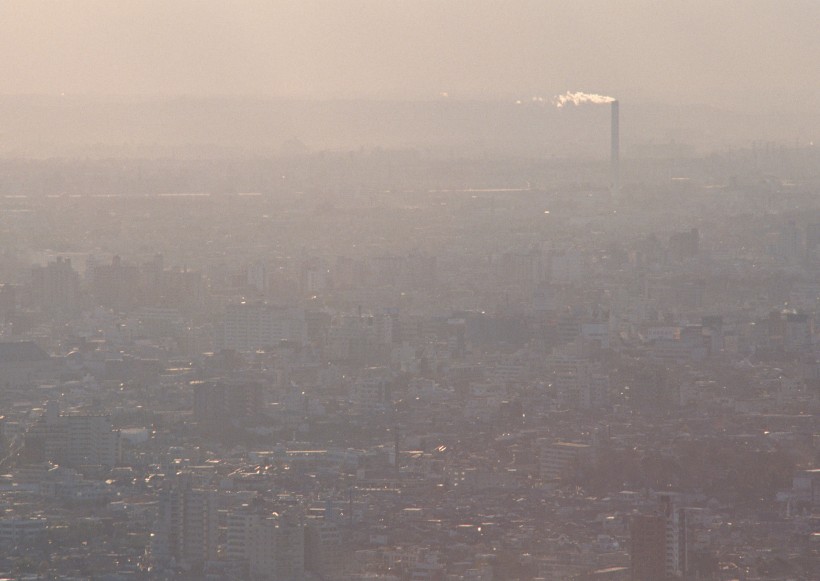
{"x": 753, "y": 52}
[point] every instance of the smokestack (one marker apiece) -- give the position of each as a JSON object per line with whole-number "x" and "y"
{"x": 615, "y": 152}
{"x": 578, "y": 98}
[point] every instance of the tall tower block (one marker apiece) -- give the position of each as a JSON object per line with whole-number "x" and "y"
{"x": 615, "y": 152}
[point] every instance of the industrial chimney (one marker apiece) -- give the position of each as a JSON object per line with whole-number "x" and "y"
{"x": 615, "y": 153}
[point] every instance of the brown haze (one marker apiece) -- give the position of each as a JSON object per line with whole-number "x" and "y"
{"x": 759, "y": 54}
{"x": 138, "y": 78}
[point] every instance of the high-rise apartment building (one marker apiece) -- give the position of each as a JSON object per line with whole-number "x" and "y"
{"x": 323, "y": 546}
{"x": 270, "y": 546}
{"x": 187, "y": 525}
{"x": 220, "y": 401}
{"x": 659, "y": 548}
{"x": 361, "y": 339}
{"x": 56, "y": 287}
{"x": 75, "y": 439}
{"x": 564, "y": 460}
{"x": 371, "y": 392}
{"x": 115, "y": 285}
{"x": 248, "y": 327}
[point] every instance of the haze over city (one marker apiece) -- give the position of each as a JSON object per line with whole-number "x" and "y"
{"x": 754, "y": 54}
{"x": 363, "y": 290}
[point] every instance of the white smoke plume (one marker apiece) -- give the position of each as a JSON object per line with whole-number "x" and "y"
{"x": 579, "y": 98}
